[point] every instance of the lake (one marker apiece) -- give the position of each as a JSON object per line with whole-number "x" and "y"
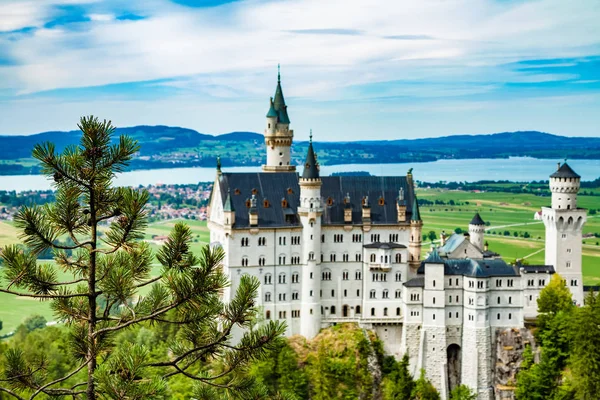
{"x": 514, "y": 169}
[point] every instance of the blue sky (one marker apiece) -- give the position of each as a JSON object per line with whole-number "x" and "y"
{"x": 351, "y": 70}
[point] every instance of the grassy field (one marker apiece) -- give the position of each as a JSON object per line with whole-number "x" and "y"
{"x": 14, "y": 310}
{"x": 508, "y": 212}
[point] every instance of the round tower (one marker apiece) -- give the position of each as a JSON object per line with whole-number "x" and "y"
{"x": 477, "y": 231}
{"x": 564, "y": 226}
{"x": 310, "y": 211}
{"x": 278, "y": 135}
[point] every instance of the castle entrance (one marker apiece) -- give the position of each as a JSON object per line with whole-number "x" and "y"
{"x": 454, "y": 366}
{"x": 345, "y": 310}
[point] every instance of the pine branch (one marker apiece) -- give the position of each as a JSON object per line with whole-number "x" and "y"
{"x": 10, "y": 392}
{"x": 45, "y": 296}
{"x": 64, "y": 378}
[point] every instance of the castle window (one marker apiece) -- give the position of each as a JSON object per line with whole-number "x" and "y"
{"x": 385, "y": 312}
{"x": 358, "y": 257}
{"x": 358, "y": 275}
{"x": 498, "y": 316}
{"x": 509, "y": 300}
{"x": 434, "y": 283}
{"x": 449, "y": 299}
{"x": 345, "y": 275}
{"x": 434, "y": 300}
{"x": 281, "y": 296}
{"x": 398, "y": 311}
{"x": 498, "y": 299}
{"x": 398, "y": 258}
{"x": 457, "y": 315}
{"x": 332, "y": 293}
{"x": 381, "y": 201}
{"x": 268, "y": 296}
{"x": 398, "y": 293}
{"x": 311, "y": 256}
{"x": 294, "y": 295}
{"x": 267, "y": 279}
{"x": 373, "y": 258}
{"x": 372, "y": 312}
{"x": 322, "y": 238}
{"x": 332, "y": 310}
{"x": 268, "y": 314}
{"x": 398, "y": 277}
{"x": 282, "y": 277}
{"x": 326, "y": 275}
{"x": 295, "y": 277}
{"x": 358, "y": 309}
{"x": 290, "y": 191}
{"x": 248, "y": 203}
{"x": 372, "y": 294}
{"x": 345, "y": 293}
{"x": 449, "y": 315}
{"x": 509, "y": 316}
{"x": 385, "y": 294}
{"x": 284, "y": 203}
{"x": 254, "y": 191}
{"x": 244, "y": 242}
{"x": 332, "y": 257}
{"x": 541, "y": 282}
{"x": 244, "y": 261}
{"x": 261, "y": 261}
{"x": 262, "y": 241}
{"x": 568, "y": 264}
{"x": 357, "y": 292}
{"x": 434, "y": 319}
{"x": 329, "y": 201}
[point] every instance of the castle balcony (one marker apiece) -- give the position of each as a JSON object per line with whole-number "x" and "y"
{"x": 380, "y": 267}
{"x": 367, "y": 320}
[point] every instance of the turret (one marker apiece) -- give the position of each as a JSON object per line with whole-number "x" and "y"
{"x": 228, "y": 211}
{"x": 278, "y": 136}
{"x": 564, "y": 185}
{"x": 414, "y": 245}
{"x": 477, "y": 231}
{"x": 310, "y": 211}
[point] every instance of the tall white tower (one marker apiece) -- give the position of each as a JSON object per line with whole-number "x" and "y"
{"x": 477, "y": 231}
{"x": 278, "y": 135}
{"x": 564, "y": 224}
{"x": 310, "y": 211}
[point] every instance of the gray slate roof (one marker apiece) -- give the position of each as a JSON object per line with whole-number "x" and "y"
{"x": 379, "y": 245}
{"x": 434, "y": 257}
{"x": 565, "y": 172}
{"x": 311, "y": 169}
{"x": 532, "y": 269}
{"x": 419, "y": 281}
{"x": 480, "y": 268}
{"x": 452, "y": 243}
{"x": 274, "y": 186}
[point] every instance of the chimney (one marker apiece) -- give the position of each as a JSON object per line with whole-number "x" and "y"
{"x": 558, "y": 166}
{"x": 443, "y": 238}
{"x": 347, "y": 209}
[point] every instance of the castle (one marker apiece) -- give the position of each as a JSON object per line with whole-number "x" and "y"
{"x": 333, "y": 249}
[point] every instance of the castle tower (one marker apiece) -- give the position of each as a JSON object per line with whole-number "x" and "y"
{"x": 278, "y": 135}
{"x": 310, "y": 211}
{"x": 414, "y": 245}
{"x": 477, "y": 231}
{"x": 564, "y": 224}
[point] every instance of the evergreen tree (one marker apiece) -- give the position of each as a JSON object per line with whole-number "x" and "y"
{"x": 462, "y": 392}
{"x": 585, "y": 349}
{"x": 399, "y": 383}
{"x": 555, "y": 297}
{"x": 424, "y": 389}
{"x": 186, "y": 293}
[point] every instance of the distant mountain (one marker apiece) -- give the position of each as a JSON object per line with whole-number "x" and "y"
{"x": 167, "y": 147}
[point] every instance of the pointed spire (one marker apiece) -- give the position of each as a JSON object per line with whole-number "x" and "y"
{"x": 416, "y": 215}
{"x": 477, "y": 220}
{"x": 228, "y": 204}
{"x": 311, "y": 168}
{"x": 279, "y": 101}
{"x": 434, "y": 257}
{"x": 218, "y": 163}
{"x": 278, "y": 73}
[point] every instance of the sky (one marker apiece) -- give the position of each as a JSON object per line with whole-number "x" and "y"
{"x": 350, "y": 69}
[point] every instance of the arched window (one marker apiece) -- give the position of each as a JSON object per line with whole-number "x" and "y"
{"x": 282, "y": 278}
{"x": 372, "y": 294}
{"x": 398, "y": 311}
{"x": 268, "y": 279}
{"x": 386, "y": 294}
{"x": 372, "y": 312}
{"x": 268, "y": 296}
{"x": 268, "y": 314}
{"x": 332, "y": 310}
{"x": 385, "y": 312}
{"x": 373, "y": 258}
{"x": 398, "y": 293}
{"x": 358, "y": 309}
{"x": 398, "y": 258}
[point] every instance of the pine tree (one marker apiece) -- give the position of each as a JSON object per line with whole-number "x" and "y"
{"x": 108, "y": 274}
{"x": 399, "y": 384}
{"x": 462, "y": 392}
{"x": 585, "y": 353}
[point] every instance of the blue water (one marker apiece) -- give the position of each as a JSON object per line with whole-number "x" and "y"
{"x": 514, "y": 169}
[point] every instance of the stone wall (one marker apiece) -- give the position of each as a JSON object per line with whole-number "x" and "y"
{"x": 508, "y": 354}
{"x": 411, "y": 342}
{"x": 434, "y": 358}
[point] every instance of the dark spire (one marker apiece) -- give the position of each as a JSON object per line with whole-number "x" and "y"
{"x": 477, "y": 220}
{"x": 218, "y": 163}
{"x": 564, "y": 171}
{"x": 228, "y": 204}
{"x": 416, "y": 215}
{"x": 279, "y": 102}
{"x": 311, "y": 168}
{"x": 434, "y": 257}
